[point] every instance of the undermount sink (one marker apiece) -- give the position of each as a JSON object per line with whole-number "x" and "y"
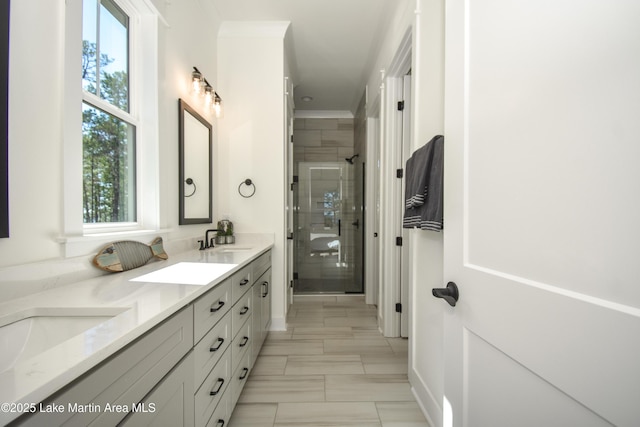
{"x": 40, "y": 329}
{"x": 234, "y": 249}
{"x": 187, "y": 273}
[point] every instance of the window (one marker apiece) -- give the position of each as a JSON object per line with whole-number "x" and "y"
{"x": 109, "y": 128}
{"x": 110, "y": 115}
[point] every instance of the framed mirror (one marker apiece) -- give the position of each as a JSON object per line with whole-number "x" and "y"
{"x": 196, "y": 136}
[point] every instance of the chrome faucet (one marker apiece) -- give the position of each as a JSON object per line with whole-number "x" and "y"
{"x": 207, "y": 243}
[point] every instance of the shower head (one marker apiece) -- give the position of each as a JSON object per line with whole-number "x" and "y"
{"x": 350, "y": 159}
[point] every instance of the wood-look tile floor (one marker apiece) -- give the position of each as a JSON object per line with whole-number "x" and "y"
{"x": 330, "y": 368}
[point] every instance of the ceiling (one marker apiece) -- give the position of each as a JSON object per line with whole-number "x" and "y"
{"x": 334, "y": 43}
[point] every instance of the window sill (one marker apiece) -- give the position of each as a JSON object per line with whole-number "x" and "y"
{"x": 74, "y": 246}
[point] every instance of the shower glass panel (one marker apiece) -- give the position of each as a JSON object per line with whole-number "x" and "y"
{"x": 326, "y": 229}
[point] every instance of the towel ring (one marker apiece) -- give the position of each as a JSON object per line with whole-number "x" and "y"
{"x": 189, "y": 181}
{"x": 248, "y": 183}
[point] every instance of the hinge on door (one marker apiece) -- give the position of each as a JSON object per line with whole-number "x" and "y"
{"x": 399, "y": 173}
{"x": 295, "y": 276}
{"x": 291, "y": 284}
{"x": 292, "y": 184}
{"x": 292, "y": 139}
{"x": 398, "y": 308}
{"x": 398, "y": 241}
{"x": 400, "y": 105}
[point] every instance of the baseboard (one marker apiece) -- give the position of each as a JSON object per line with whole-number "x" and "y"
{"x": 427, "y": 402}
{"x": 278, "y": 324}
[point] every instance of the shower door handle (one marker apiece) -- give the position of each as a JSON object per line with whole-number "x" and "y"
{"x": 339, "y": 227}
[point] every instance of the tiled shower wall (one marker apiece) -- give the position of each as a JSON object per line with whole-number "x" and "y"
{"x": 322, "y": 140}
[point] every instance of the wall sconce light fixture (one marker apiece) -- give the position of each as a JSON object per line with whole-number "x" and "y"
{"x": 202, "y": 87}
{"x": 217, "y": 105}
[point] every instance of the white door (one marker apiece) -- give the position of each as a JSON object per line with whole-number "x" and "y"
{"x": 542, "y": 213}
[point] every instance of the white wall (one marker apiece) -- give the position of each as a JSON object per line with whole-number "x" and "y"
{"x": 35, "y": 130}
{"x": 36, "y": 116}
{"x": 190, "y": 40}
{"x": 426, "y": 351}
{"x": 425, "y": 19}
{"x": 251, "y": 58}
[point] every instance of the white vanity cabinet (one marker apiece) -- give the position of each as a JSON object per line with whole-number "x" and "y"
{"x": 187, "y": 371}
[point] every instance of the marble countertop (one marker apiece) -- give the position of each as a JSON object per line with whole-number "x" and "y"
{"x": 132, "y": 307}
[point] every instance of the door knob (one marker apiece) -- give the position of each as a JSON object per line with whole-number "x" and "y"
{"x": 449, "y": 294}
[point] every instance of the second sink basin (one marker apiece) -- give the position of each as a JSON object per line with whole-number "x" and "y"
{"x": 187, "y": 273}
{"x": 41, "y": 329}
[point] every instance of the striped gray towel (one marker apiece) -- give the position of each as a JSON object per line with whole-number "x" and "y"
{"x": 424, "y": 186}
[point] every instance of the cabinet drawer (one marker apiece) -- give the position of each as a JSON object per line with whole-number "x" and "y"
{"x": 211, "y": 348}
{"x": 241, "y": 282}
{"x": 241, "y": 343}
{"x": 222, "y": 414}
{"x": 241, "y": 312}
{"x": 209, "y": 396}
{"x": 239, "y": 379}
{"x": 261, "y": 264}
{"x": 210, "y": 308}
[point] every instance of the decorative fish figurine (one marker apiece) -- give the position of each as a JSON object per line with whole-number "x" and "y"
{"x": 128, "y": 254}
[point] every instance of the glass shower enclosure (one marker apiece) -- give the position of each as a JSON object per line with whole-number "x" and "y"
{"x": 328, "y": 229}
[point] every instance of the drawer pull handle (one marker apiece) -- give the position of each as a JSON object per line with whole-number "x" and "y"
{"x": 220, "y": 423}
{"x": 216, "y": 391}
{"x": 244, "y": 342}
{"x": 265, "y": 285}
{"x": 220, "y": 305}
{"x": 244, "y": 311}
{"x": 244, "y": 282}
{"x": 216, "y": 348}
{"x": 245, "y": 372}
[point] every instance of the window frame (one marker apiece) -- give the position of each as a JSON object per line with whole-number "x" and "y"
{"x": 80, "y": 238}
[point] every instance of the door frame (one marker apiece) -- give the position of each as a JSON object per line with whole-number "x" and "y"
{"x": 372, "y": 206}
{"x": 405, "y": 152}
{"x": 395, "y": 271}
{"x": 289, "y": 110}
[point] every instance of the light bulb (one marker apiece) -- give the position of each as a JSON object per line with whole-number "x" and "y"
{"x": 208, "y": 95}
{"x": 217, "y": 106}
{"x": 196, "y": 79}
